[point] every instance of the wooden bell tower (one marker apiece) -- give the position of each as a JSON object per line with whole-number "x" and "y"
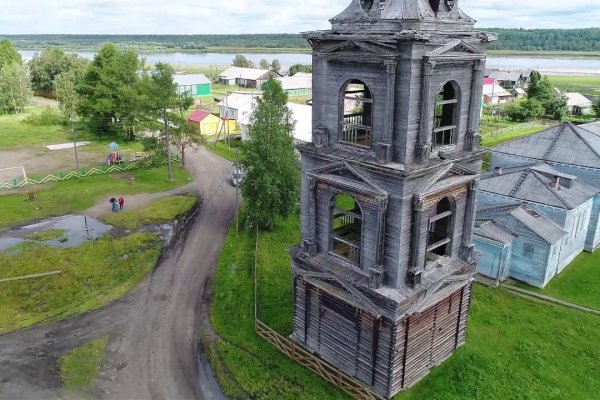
{"x": 382, "y": 278}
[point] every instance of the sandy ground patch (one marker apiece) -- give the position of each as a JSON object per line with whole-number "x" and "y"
{"x": 38, "y": 161}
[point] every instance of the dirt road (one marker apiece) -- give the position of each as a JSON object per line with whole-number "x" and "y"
{"x": 152, "y": 351}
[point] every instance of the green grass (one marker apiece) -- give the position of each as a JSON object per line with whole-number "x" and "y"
{"x": 227, "y": 152}
{"x": 491, "y": 141}
{"x": 158, "y": 212}
{"x": 42, "y": 236}
{"x": 14, "y": 132}
{"x": 79, "y": 194}
{"x": 579, "y": 283}
{"x": 105, "y": 265}
{"x": 516, "y": 349}
{"x": 79, "y": 367}
{"x": 587, "y": 85}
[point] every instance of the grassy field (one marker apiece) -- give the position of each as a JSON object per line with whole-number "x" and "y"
{"x": 579, "y": 283}
{"x": 491, "y": 141}
{"x": 79, "y": 194}
{"x": 227, "y": 152}
{"x": 587, "y": 85}
{"x": 516, "y": 349}
{"x": 80, "y": 366}
{"x": 108, "y": 266}
{"x": 158, "y": 212}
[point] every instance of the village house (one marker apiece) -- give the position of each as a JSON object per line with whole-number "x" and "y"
{"x": 236, "y": 106}
{"x": 301, "y": 117}
{"x": 578, "y": 104}
{"x": 205, "y": 122}
{"x": 296, "y": 85}
{"x": 519, "y": 93}
{"x": 571, "y": 154}
{"x": 493, "y": 93}
{"x": 246, "y": 77}
{"x": 547, "y": 212}
{"x": 197, "y": 85}
{"x": 510, "y": 79}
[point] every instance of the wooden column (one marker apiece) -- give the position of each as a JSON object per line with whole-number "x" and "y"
{"x": 423, "y": 149}
{"x": 472, "y": 139}
{"x": 310, "y": 242}
{"x": 416, "y": 263}
{"x": 377, "y": 272}
{"x": 466, "y": 246}
{"x": 390, "y": 100}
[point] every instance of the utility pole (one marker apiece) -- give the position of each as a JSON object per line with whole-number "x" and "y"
{"x": 168, "y": 144}
{"x": 74, "y": 143}
{"x": 237, "y": 195}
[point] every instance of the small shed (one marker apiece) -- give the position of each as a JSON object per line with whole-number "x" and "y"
{"x": 495, "y": 243}
{"x": 237, "y": 105}
{"x": 519, "y": 93}
{"x": 197, "y": 85}
{"x": 206, "y": 123}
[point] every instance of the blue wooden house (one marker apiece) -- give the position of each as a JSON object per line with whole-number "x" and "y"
{"x": 546, "y": 211}
{"x": 574, "y": 150}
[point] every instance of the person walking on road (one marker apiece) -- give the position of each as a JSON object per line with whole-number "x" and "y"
{"x": 121, "y": 203}
{"x": 115, "y": 205}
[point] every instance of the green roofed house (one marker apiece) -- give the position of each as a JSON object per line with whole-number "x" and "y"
{"x": 197, "y": 85}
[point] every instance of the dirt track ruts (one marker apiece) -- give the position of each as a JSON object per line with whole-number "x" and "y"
{"x": 153, "y": 347}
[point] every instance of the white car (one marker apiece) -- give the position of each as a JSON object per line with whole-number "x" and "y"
{"x": 237, "y": 176}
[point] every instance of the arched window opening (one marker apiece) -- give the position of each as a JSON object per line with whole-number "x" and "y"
{"x": 357, "y": 120}
{"x": 446, "y": 103}
{"x": 440, "y": 230}
{"x": 346, "y": 229}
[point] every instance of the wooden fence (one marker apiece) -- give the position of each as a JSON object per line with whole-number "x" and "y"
{"x": 303, "y": 357}
{"x": 19, "y": 183}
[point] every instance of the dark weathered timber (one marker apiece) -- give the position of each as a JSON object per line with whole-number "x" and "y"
{"x": 392, "y": 300}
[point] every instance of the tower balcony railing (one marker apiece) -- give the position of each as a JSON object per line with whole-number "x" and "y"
{"x": 355, "y": 133}
{"x": 444, "y": 136}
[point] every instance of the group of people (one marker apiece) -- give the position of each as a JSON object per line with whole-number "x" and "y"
{"x": 117, "y": 204}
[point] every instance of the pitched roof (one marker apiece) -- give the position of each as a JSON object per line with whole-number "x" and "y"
{"x": 536, "y": 222}
{"x": 252, "y": 74}
{"x": 238, "y": 100}
{"x": 491, "y": 87}
{"x": 494, "y": 231}
{"x": 559, "y": 144}
{"x": 512, "y": 76}
{"x": 296, "y": 82}
{"x": 188, "y": 80}
{"x": 534, "y": 184}
{"x": 198, "y": 116}
{"x": 578, "y": 100}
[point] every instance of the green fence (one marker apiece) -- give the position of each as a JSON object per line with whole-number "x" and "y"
{"x": 105, "y": 169}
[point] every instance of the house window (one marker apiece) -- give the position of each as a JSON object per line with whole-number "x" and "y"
{"x": 357, "y": 117}
{"x": 528, "y": 250}
{"x": 346, "y": 228}
{"x": 446, "y": 106}
{"x": 440, "y": 230}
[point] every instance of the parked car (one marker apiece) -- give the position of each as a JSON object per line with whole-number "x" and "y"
{"x": 237, "y": 176}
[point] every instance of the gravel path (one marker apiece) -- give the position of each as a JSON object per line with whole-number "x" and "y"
{"x": 154, "y": 330}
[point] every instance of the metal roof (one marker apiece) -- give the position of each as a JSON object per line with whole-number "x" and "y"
{"x": 494, "y": 231}
{"x": 578, "y": 100}
{"x": 539, "y": 224}
{"x": 564, "y": 144}
{"x": 251, "y": 74}
{"x": 535, "y": 184}
{"x": 189, "y": 80}
{"x": 296, "y": 82}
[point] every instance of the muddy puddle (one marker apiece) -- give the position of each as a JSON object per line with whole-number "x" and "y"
{"x": 70, "y": 231}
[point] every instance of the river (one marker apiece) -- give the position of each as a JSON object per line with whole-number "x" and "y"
{"x": 548, "y": 65}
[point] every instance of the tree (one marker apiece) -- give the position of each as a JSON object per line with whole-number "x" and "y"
{"x": 294, "y": 69}
{"x": 163, "y": 95}
{"x": 554, "y": 104}
{"x": 556, "y": 107}
{"x": 184, "y": 136}
{"x": 272, "y": 183}
{"x": 243, "y": 62}
{"x": 9, "y": 53}
{"x": 264, "y": 64}
{"x": 524, "y": 110}
{"x": 596, "y": 108}
{"x": 65, "y": 89}
{"x": 50, "y": 63}
{"x": 107, "y": 91}
{"x": 276, "y": 65}
{"x": 15, "y": 88}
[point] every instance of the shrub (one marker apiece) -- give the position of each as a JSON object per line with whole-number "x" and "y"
{"x": 47, "y": 117}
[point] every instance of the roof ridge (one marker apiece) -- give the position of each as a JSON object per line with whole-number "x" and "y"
{"x": 519, "y": 183}
{"x": 551, "y": 190}
{"x": 555, "y": 140}
{"x": 588, "y": 144}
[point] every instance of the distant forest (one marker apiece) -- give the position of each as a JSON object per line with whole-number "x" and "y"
{"x": 510, "y": 39}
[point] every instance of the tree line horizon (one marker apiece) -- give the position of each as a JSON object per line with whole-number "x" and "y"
{"x": 587, "y": 39}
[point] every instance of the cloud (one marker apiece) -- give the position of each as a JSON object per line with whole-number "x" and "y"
{"x": 255, "y": 16}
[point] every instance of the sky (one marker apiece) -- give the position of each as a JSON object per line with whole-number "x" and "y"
{"x": 256, "y": 16}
